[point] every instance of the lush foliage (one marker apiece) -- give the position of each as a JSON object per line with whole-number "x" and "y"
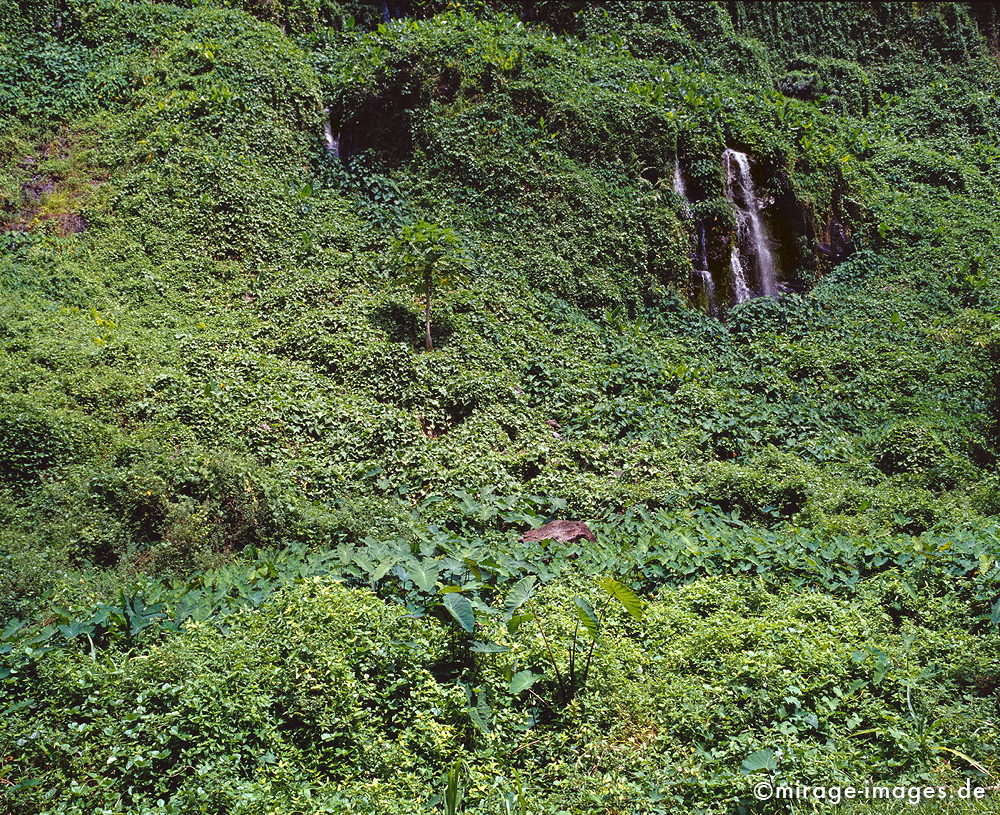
{"x": 259, "y": 546}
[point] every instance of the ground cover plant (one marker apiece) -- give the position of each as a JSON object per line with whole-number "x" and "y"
{"x": 310, "y": 309}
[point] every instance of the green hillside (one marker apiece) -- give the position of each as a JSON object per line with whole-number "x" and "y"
{"x": 310, "y": 309}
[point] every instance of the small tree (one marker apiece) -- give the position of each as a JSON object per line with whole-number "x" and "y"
{"x": 431, "y": 255}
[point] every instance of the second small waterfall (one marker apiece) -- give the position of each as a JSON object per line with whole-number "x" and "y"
{"x": 741, "y": 291}
{"x": 699, "y": 257}
{"x": 680, "y": 188}
{"x": 753, "y": 242}
{"x": 332, "y": 139}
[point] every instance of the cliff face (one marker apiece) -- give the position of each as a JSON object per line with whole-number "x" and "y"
{"x": 718, "y": 278}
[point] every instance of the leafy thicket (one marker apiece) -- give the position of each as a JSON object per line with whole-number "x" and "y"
{"x": 259, "y": 549}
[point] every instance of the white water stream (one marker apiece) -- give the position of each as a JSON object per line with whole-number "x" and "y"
{"x": 753, "y": 242}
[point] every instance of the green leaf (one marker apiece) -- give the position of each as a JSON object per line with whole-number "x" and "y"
{"x": 488, "y": 648}
{"x": 479, "y": 720}
{"x": 521, "y": 681}
{"x": 16, "y": 625}
{"x": 761, "y": 760}
{"x": 995, "y": 615}
{"x": 585, "y": 614}
{"x": 964, "y": 757}
{"x": 517, "y": 621}
{"x": 482, "y": 714}
{"x": 17, "y": 706}
{"x": 624, "y": 595}
{"x": 424, "y": 574}
{"x": 382, "y": 570}
{"x": 454, "y": 792}
{"x": 460, "y": 608}
{"x": 74, "y": 629}
{"x": 473, "y": 567}
{"x": 521, "y": 592}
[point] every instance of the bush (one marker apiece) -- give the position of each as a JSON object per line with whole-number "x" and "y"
{"x": 322, "y": 677}
{"x": 34, "y": 441}
{"x": 772, "y": 485}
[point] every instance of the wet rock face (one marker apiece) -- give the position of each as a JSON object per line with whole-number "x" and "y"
{"x": 768, "y": 242}
{"x": 559, "y": 531}
{"x": 834, "y": 244}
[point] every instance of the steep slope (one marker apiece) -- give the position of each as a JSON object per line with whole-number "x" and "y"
{"x": 216, "y": 222}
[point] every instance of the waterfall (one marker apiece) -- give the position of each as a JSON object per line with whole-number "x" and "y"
{"x": 681, "y": 188}
{"x": 699, "y": 257}
{"x": 741, "y": 290}
{"x": 704, "y": 273}
{"x": 708, "y": 286}
{"x": 332, "y": 139}
{"x": 752, "y": 236}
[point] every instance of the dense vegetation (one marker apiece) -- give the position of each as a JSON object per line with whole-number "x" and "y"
{"x": 259, "y": 547}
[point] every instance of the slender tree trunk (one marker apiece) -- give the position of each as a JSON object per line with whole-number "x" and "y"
{"x": 428, "y": 342}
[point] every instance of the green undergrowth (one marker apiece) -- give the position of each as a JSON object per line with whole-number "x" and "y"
{"x": 259, "y": 550}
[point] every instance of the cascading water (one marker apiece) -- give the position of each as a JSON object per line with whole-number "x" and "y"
{"x": 704, "y": 273}
{"x": 752, "y": 238}
{"x": 392, "y": 11}
{"x": 699, "y": 258}
{"x": 332, "y": 139}
{"x": 681, "y": 188}
{"x": 741, "y": 291}
{"x": 708, "y": 286}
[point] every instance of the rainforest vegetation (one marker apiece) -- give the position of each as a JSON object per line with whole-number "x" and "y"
{"x": 310, "y": 309}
